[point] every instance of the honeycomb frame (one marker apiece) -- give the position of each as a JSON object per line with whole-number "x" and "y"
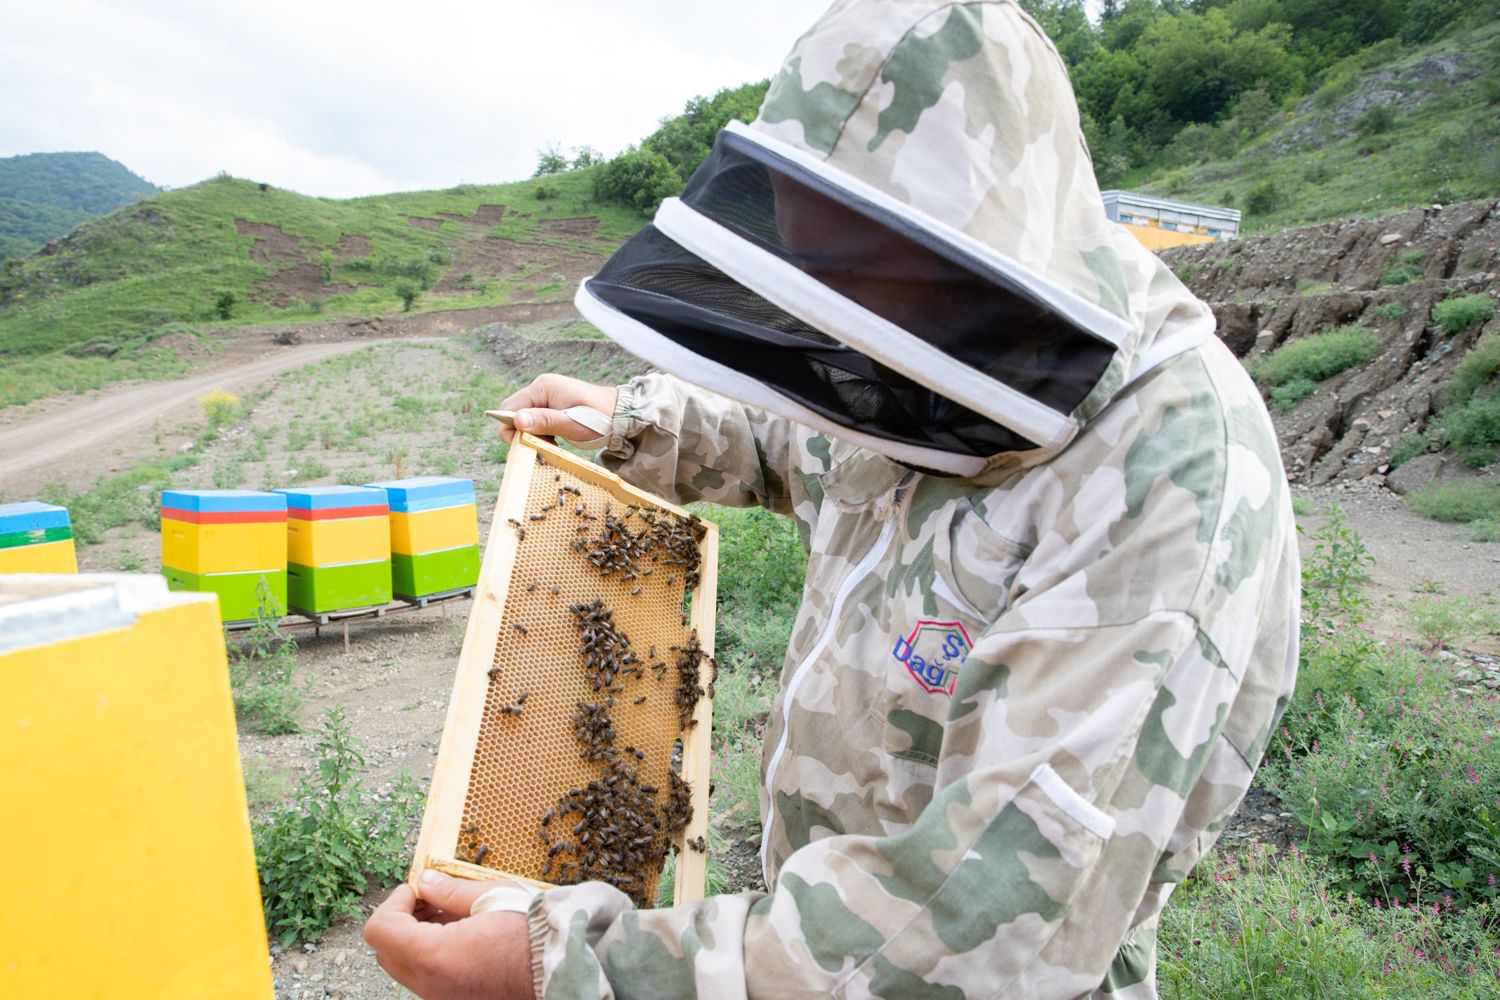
{"x": 501, "y": 766}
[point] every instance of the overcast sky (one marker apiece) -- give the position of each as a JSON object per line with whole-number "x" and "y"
{"x": 350, "y": 97}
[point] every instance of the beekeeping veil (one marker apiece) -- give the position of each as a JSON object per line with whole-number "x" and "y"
{"x": 907, "y": 249}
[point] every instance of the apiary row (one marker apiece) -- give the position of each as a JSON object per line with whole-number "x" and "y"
{"x": 321, "y": 549}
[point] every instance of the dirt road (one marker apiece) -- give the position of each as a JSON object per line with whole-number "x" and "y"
{"x": 45, "y": 449}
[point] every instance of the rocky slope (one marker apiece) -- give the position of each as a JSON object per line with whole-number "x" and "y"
{"x": 1269, "y": 290}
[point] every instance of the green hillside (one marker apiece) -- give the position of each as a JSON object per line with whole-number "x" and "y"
{"x": 44, "y": 195}
{"x": 1387, "y": 130}
{"x": 230, "y": 251}
{"x": 1292, "y": 111}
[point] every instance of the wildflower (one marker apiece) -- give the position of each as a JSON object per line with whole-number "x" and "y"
{"x": 1472, "y": 774}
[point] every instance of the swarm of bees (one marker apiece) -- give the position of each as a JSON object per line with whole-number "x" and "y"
{"x": 616, "y": 827}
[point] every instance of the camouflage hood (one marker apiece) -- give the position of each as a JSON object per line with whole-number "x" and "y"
{"x": 906, "y": 250}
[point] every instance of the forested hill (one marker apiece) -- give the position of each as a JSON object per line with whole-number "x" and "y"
{"x": 44, "y": 195}
{"x": 1293, "y": 111}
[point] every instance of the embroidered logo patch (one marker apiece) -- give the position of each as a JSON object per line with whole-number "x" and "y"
{"x": 933, "y": 653}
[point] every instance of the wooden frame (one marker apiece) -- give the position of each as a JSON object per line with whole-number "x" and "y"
{"x": 437, "y": 844}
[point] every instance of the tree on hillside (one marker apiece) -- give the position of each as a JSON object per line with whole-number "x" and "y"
{"x": 550, "y": 161}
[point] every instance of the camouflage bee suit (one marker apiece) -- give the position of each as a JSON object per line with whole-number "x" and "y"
{"x": 1017, "y": 708}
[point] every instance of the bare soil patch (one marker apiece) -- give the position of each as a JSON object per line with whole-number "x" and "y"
{"x": 351, "y": 246}
{"x": 484, "y": 216}
{"x": 422, "y": 222}
{"x": 272, "y": 244}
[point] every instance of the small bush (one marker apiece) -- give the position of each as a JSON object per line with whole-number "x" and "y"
{"x": 1317, "y": 357}
{"x": 1334, "y": 574}
{"x": 1286, "y": 396}
{"x": 1391, "y": 310}
{"x": 1458, "y": 502}
{"x": 407, "y": 291}
{"x": 1457, "y": 315}
{"x": 1408, "y": 448}
{"x": 318, "y": 853}
{"x": 1399, "y": 274}
{"x": 1473, "y": 429}
{"x": 224, "y": 305}
{"x": 1377, "y": 120}
{"x": 1481, "y": 364}
{"x": 1264, "y": 198}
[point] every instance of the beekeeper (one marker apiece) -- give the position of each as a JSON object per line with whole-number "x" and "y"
{"x": 1050, "y": 616}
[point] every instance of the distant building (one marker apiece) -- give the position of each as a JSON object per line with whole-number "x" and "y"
{"x": 1161, "y": 222}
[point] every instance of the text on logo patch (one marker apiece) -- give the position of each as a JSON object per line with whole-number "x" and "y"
{"x": 933, "y": 653}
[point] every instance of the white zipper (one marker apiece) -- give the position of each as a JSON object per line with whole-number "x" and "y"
{"x": 858, "y": 573}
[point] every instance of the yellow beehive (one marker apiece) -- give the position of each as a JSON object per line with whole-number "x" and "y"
{"x": 129, "y": 863}
{"x": 432, "y": 530}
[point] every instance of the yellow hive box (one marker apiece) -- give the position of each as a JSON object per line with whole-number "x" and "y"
{"x": 334, "y": 541}
{"x": 434, "y": 530}
{"x": 222, "y": 548}
{"x": 129, "y": 859}
{"x": 49, "y": 557}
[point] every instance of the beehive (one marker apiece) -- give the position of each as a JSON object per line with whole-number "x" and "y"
{"x": 121, "y": 783}
{"x": 225, "y": 542}
{"x": 434, "y": 535}
{"x": 36, "y": 537}
{"x": 511, "y": 751}
{"x": 338, "y": 551}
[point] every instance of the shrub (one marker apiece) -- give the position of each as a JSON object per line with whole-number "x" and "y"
{"x": 1316, "y": 357}
{"x": 1399, "y": 274}
{"x": 1408, "y": 448}
{"x": 640, "y": 178}
{"x": 224, "y": 304}
{"x": 1391, "y": 310}
{"x": 1333, "y": 574}
{"x": 1481, "y": 364}
{"x": 1457, "y": 315}
{"x": 1264, "y": 198}
{"x": 1286, "y": 396}
{"x": 1378, "y": 119}
{"x": 318, "y": 853}
{"x": 1473, "y": 429}
{"x": 407, "y": 292}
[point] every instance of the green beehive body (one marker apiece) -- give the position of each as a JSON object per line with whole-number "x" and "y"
{"x": 238, "y": 598}
{"x": 318, "y": 590}
{"x": 38, "y": 536}
{"x": 434, "y": 572}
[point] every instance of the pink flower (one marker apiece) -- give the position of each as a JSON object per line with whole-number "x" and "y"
{"x": 1473, "y": 774}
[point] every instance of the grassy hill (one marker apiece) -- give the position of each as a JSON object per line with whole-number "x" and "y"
{"x": 44, "y": 195}
{"x": 232, "y": 252}
{"x": 1389, "y": 128}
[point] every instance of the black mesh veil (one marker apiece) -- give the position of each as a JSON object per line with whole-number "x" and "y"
{"x": 922, "y": 305}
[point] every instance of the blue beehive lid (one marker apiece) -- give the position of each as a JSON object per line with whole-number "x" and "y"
{"x": 332, "y": 497}
{"x": 32, "y": 515}
{"x": 208, "y": 501}
{"x": 426, "y": 493}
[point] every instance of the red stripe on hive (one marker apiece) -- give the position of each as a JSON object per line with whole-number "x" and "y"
{"x": 338, "y": 513}
{"x": 223, "y": 516}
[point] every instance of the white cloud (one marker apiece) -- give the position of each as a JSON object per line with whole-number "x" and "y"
{"x": 342, "y": 98}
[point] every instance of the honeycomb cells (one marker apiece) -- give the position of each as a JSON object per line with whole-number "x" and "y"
{"x": 529, "y": 762}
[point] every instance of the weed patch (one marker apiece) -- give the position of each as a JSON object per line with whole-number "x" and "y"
{"x": 1458, "y": 314}
{"x": 1315, "y": 358}
{"x": 263, "y": 671}
{"x": 318, "y": 853}
{"x": 1462, "y": 502}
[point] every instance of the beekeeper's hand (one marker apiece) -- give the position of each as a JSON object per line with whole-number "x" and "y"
{"x": 539, "y": 408}
{"x": 437, "y": 950}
